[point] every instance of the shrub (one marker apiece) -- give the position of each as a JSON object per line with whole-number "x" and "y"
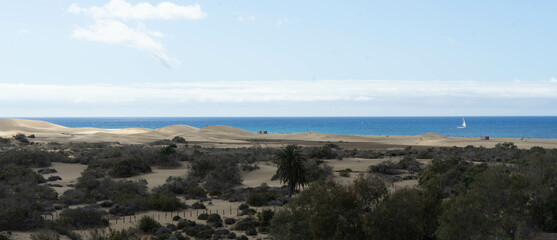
{"x": 198, "y": 205}
{"x": 316, "y": 171}
{"x": 46, "y": 170}
{"x": 199, "y": 231}
{"x": 214, "y": 220}
{"x": 44, "y": 235}
{"x": 20, "y": 137}
{"x": 243, "y": 206}
{"x": 408, "y": 162}
{"x": 4, "y": 141}
{"x": 218, "y": 173}
{"x": 215, "y": 193}
{"x": 118, "y": 210}
{"x": 129, "y": 167}
{"x": 251, "y": 232}
{"x": 184, "y": 223}
{"x": 385, "y": 167}
{"x": 31, "y": 157}
{"x": 179, "y": 139}
{"x": 148, "y": 224}
{"x": 165, "y": 202}
{"x": 81, "y": 218}
{"x": 246, "y": 224}
{"x": 178, "y": 185}
{"x": 203, "y": 216}
{"x": 344, "y": 173}
{"x": 168, "y": 150}
{"x": 53, "y": 178}
{"x": 229, "y": 221}
{"x": 249, "y": 167}
{"x": 122, "y": 234}
{"x": 324, "y": 152}
{"x": 259, "y": 199}
{"x": 265, "y": 218}
{"x": 176, "y": 218}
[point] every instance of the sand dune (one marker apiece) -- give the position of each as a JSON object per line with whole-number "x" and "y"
{"x": 225, "y": 136}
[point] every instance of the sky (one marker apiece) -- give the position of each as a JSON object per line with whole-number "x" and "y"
{"x": 120, "y": 58}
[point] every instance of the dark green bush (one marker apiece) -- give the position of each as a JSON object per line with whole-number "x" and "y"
{"x": 203, "y": 216}
{"x": 344, "y": 173}
{"x": 129, "y": 167}
{"x": 81, "y": 218}
{"x": 31, "y": 157}
{"x": 179, "y": 139}
{"x": 184, "y": 223}
{"x": 214, "y": 220}
{"x": 229, "y": 221}
{"x": 20, "y": 137}
{"x": 385, "y": 167}
{"x": 246, "y": 224}
{"x": 198, "y": 205}
{"x": 259, "y": 199}
{"x": 4, "y": 141}
{"x": 243, "y": 206}
{"x": 324, "y": 152}
{"x": 148, "y": 224}
{"x": 166, "y": 202}
{"x": 45, "y": 235}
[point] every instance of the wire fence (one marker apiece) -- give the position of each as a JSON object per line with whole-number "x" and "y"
{"x": 186, "y": 213}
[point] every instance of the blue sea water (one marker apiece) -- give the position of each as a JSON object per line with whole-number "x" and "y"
{"x": 515, "y": 127}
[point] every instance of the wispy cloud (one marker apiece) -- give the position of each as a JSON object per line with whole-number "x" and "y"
{"x": 22, "y": 32}
{"x": 109, "y": 26}
{"x": 280, "y": 91}
{"x": 118, "y": 33}
{"x": 245, "y": 19}
{"x": 142, "y": 11}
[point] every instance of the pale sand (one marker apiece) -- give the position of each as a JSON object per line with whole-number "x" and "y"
{"x": 224, "y": 136}
{"x": 69, "y": 172}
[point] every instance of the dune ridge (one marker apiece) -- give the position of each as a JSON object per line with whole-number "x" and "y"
{"x": 226, "y": 136}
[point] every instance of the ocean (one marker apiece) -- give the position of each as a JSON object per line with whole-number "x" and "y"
{"x": 512, "y": 127}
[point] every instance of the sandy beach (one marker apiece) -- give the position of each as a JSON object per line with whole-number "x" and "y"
{"x": 225, "y": 136}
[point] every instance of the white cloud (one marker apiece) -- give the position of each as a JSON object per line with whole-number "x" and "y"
{"x": 281, "y": 91}
{"x": 281, "y": 21}
{"x": 110, "y": 29}
{"x": 142, "y": 11}
{"x": 243, "y": 19}
{"x": 118, "y": 33}
{"x": 553, "y": 80}
{"x": 22, "y": 32}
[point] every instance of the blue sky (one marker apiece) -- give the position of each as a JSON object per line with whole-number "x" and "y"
{"x": 277, "y": 58}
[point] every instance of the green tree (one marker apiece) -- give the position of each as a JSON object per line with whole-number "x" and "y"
{"x": 291, "y": 167}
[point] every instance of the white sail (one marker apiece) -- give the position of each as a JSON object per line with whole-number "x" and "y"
{"x": 463, "y": 124}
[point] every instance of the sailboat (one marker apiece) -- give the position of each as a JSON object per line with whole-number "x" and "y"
{"x": 463, "y": 124}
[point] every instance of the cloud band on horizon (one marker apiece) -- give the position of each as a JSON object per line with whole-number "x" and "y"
{"x": 279, "y": 91}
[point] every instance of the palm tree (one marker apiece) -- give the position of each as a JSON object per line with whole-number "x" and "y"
{"x": 291, "y": 167}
